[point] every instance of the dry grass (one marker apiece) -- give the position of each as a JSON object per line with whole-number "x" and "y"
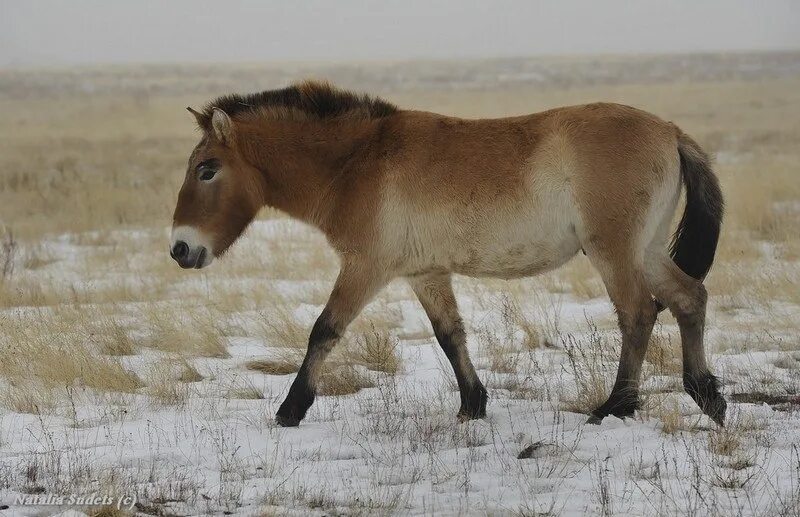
{"x": 664, "y": 353}
{"x": 29, "y": 397}
{"x": 274, "y": 367}
{"x": 592, "y": 361}
{"x": 191, "y": 333}
{"x": 578, "y": 278}
{"x": 671, "y": 418}
{"x": 111, "y": 336}
{"x": 188, "y": 373}
{"x": 725, "y": 441}
{"x": 57, "y": 355}
{"x": 164, "y": 386}
{"x": 339, "y": 380}
{"x": 498, "y": 346}
{"x": 280, "y": 328}
{"x": 765, "y": 200}
{"x": 376, "y": 351}
{"x": 248, "y": 392}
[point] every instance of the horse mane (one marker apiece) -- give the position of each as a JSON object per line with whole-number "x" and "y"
{"x": 308, "y": 99}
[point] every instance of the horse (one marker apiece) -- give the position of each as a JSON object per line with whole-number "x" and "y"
{"x": 422, "y": 196}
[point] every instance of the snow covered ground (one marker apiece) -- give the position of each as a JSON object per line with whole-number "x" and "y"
{"x": 206, "y": 442}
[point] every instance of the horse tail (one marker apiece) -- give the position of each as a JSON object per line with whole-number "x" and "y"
{"x": 695, "y": 240}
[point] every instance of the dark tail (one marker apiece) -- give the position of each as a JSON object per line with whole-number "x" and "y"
{"x": 695, "y": 241}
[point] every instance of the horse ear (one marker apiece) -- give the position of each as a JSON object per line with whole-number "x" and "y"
{"x": 223, "y": 127}
{"x": 201, "y": 118}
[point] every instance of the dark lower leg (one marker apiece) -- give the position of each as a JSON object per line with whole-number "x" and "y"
{"x": 301, "y": 393}
{"x": 356, "y": 285}
{"x": 622, "y": 402}
{"x": 698, "y": 381}
{"x": 435, "y": 293}
{"x": 624, "y": 397}
{"x": 297, "y": 401}
{"x": 473, "y": 394}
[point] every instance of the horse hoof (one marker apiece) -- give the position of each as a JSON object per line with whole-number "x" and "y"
{"x": 716, "y": 410}
{"x": 704, "y": 389}
{"x": 285, "y": 421}
{"x": 473, "y": 405}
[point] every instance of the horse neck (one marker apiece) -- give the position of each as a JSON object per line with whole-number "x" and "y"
{"x": 301, "y": 163}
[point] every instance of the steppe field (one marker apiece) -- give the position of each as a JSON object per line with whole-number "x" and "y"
{"x": 123, "y": 375}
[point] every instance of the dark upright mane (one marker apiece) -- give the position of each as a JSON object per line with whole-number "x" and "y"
{"x": 310, "y": 98}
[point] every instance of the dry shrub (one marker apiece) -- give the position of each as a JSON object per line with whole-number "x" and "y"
{"x": 280, "y": 328}
{"x": 274, "y": 366}
{"x": 502, "y": 358}
{"x": 188, "y": 373}
{"x": 28, "y": 397}
{"x": 498, "y": 347}
{"x": 56, "y": 355}
{"x": 111, "y": 336}
{"x": 518, "y": 386}
{"x": 163, "y": 386}
{"x": 193, "y": 334}
{"x": 589, "y": 362}
{"x": 725, "y": 441}
{"x": 376, "y": 351}
{"x": 502, "y": 344}
{"x": 342, "y": 380}
{"x": 248, "y": 392}
{"x": 787, "y": 361}
{"x": 671, "y": 418}
{"x": 8, "y": 252}
{"x": 664, "y": 354}
{"x": 513, "y": 319}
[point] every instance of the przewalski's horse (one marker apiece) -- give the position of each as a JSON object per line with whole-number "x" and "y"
{"x": 418, "y": 195}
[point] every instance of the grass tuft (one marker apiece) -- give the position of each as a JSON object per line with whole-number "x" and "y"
{"x": 338, "y": 380}
{"x": 376, "y": 351}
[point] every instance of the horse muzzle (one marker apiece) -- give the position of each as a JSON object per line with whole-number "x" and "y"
{"x": 189, "y": 250}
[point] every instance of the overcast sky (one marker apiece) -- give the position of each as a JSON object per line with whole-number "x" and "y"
{"x": 63, "y": 32}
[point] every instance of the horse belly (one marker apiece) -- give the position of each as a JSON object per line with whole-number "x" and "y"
{"x": 501, "y": 242}
{"x": 524, "y": 235}
{"x": 525, "y": 247}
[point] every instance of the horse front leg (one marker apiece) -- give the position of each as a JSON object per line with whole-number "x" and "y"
{"x": 354, "y": 288}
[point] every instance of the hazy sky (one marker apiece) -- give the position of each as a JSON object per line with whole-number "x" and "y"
{"x": 47, "y": 32}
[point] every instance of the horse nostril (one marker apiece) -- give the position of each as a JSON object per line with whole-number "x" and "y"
{"x": 180, "y": 250}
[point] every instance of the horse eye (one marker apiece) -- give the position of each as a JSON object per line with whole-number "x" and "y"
{"x": 206, "y": 174}
{"x": 207, "y": 169}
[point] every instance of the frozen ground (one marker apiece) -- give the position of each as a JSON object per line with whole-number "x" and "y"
{"x": 396, "y": 447}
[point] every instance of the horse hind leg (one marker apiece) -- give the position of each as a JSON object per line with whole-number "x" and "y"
{"x": 686, "y": 298}
{"x": 636, "y": 313}
{"x": 435, "y": 293}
